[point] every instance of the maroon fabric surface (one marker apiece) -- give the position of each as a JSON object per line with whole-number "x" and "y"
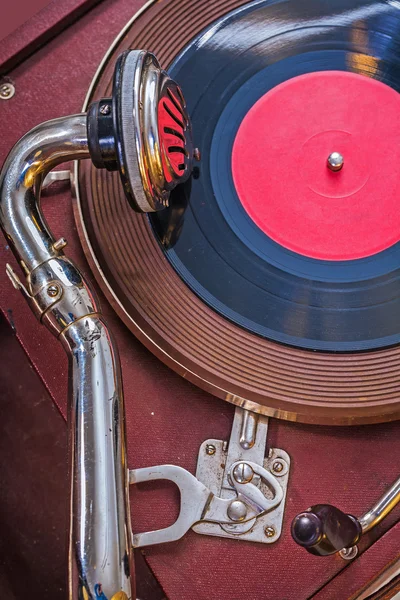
{"x": 33, "y": 481}
{"x": 43, "y": 25}
{"x": 167, "y": 418}
{"x": 17, "y": 13}
{"x": 372, "y": 563}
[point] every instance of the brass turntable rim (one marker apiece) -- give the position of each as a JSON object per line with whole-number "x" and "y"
{"x": 216, "y": 355}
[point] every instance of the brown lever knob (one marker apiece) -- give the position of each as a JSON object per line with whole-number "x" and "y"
{"x": 324, "y": 530}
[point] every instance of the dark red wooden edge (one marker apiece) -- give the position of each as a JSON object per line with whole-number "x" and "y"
{"x": 39, "y": 29}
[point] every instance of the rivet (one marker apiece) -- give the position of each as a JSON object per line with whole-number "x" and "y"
{"x": 197, "y": 154}
{"x": 210, "y": 449}
{"x": 237, "y": 511}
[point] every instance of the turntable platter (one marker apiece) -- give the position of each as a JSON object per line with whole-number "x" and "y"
{"x": 297, "y": 320}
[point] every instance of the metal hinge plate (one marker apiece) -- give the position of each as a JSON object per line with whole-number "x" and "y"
{"x": 214, "y": 463}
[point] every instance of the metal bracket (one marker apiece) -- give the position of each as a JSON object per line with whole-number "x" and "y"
{"x": 247, "y": 444}
{"x": 56, "y": 176}
{"x": 237, "y": 492}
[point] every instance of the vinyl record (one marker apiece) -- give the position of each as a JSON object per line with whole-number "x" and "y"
{"x": 273, "y": 278}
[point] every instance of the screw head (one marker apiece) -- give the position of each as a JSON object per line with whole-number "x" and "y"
{"x": 278, "y": 466}
{"x": 243, "y": 473}
{"x": 53, "y": 290}
{"x": 7, "y": 91}
{"x": 349, "y": 553}
{"x": 60, "y": 244}
{"x": 335, "y": 161}
{"x": 210, "y": 449}
{"x": 105, "y": 109}
{"x": 269, "y": 531}
{"x": 237, "y": 511}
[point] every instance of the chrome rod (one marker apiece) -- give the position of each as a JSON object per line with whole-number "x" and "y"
{"x": 382, "y": 508}
{"x": 100, "y": 554}
{"x": 39, "y": 151}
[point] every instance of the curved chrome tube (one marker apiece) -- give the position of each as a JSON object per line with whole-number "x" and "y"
{"x": 100, "y": 545}
{"x": 385, "y": 504}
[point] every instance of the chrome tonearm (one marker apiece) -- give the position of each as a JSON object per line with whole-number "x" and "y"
{"x": 118, "y": 133}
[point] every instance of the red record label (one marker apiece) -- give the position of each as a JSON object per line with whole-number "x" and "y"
{"x": 281, "y": 173}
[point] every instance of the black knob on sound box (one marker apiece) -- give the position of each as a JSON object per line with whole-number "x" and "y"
{"x": 324, "y": 530}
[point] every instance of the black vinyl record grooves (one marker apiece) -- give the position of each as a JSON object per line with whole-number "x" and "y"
{"x": 207, "y": 235}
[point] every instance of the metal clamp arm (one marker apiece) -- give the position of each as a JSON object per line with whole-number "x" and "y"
{"x": 194, "y": 499}
{"x": 199, "y": 504}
